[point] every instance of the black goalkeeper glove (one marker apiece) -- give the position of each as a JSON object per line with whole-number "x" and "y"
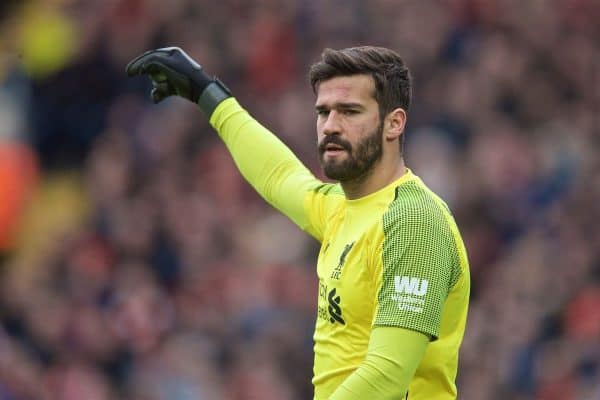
{"x": 173, "y": 72}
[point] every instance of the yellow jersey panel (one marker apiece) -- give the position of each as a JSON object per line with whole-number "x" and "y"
{"x": 393, "y": 258}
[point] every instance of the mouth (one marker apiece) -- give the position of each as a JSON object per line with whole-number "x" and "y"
{"x": 332, "y": 149}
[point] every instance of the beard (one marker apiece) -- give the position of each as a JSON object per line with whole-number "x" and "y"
{"x": 359, "y": 160}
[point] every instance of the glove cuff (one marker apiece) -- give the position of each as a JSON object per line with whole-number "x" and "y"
{"x": 212, "y": 95}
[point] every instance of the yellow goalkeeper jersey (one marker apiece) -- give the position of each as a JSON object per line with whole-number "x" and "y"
{"x": 392, "y": 258}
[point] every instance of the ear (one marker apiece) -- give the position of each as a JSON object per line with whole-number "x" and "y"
{"x": 394, "y": 124}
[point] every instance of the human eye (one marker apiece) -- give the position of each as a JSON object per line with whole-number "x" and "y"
{"x": 322, "y": 112}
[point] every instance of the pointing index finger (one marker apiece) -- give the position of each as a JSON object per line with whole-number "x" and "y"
{"x": 135, "y": 66}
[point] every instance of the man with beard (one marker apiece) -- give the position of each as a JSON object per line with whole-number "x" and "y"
{"x": 393, "y": 271}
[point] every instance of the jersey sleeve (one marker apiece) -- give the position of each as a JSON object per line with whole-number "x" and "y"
{"x": 273, "y": 170}
{"x": 419, "y": 260}
{"x": 392, "y": 358}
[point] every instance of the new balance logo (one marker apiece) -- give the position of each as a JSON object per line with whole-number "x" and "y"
{"x": 335, "y": 311}
{"x": 410, "y": 285}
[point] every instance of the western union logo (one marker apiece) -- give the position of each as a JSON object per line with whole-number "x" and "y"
{"x": 411, "y": 285}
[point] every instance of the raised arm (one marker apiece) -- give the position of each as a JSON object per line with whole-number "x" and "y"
{"x": 264, "y": 161}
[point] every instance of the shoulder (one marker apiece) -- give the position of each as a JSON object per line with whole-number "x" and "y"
{"x": 329, "y": 189}
{"x": 323, "y": 201}
{"x": 415, "y": 205}
{"x": 327, "y": 196}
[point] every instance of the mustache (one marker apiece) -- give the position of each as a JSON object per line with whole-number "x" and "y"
{"x": 334, "y": 140}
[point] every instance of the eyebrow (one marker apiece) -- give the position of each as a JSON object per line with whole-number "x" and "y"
{"x": 341, "y": 106}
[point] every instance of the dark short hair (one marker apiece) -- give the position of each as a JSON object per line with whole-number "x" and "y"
{"x": 391, "y": 75}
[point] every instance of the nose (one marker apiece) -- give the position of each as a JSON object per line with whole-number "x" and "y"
{"x": 331, "y": 125}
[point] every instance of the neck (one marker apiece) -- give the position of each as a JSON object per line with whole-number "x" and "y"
{"x": 376, "y": 178}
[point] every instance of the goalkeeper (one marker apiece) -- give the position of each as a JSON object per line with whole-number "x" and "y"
{"x": 392, "y": 269}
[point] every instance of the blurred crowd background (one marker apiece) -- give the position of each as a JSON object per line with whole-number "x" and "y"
{"x": 136, "y": 264}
